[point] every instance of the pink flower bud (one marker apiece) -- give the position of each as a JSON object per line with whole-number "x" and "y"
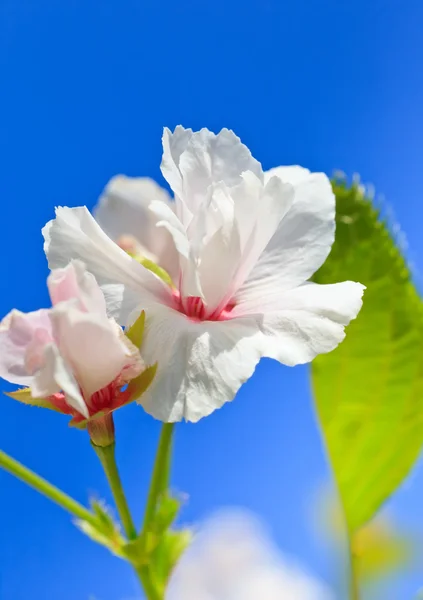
{"x": 72, "y": 357}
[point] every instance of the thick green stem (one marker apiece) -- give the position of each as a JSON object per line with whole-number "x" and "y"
{"x": 161, "y": 471}
{"x": 44, "y": 487}
{"x": 150, "y": 590}
{"x": 107, "y": 458}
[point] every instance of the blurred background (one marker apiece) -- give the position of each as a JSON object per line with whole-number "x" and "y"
{"x": 87, "y": 87}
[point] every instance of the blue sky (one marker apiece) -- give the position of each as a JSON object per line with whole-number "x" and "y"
{"x": 87, "y": 89}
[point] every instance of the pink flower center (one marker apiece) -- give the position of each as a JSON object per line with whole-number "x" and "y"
{"x": 194, "y": 308}
{"x": 105, "y": 400}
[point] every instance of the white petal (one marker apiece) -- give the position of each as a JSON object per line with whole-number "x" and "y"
{"x": 201, "y": 365}
{"x": 173, "y": 145}
{"x": 75, "y": 234}
{"x": 273, "y": 204}
{"x": 18, "y": 333}
{"x": 193, "y": 161}
{"x": 302, "y": 323}
{"x": 304, "y": 236}
{"x": 75, "y": 282}
{"x": 121, "y": 302}
{"x": 255, "y": 214}
{"x": 91, "y": 344}
{"x": 168, "y": 220}
{"x": 123, "y": 210}
{"x": 221, "y": 255}
{"x": 188, "y": 277}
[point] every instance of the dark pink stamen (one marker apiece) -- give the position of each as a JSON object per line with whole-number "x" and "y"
{"x": 105, "y": 400}
{"x": 194, "y": 308}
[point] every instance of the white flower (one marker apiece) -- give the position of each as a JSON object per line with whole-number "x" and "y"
{"x": 232, "y": 558}
{"x": 122, "y": 212}
{"x": 245, "y": 243}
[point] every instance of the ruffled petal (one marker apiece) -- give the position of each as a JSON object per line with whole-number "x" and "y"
{"x": 74, "y": 282}
{"x": 123, "y": 210}
{"x": 201, "y": 365}
{"x": 259, "y": 212}
{"x": 304, "y": 322}
{"x": 192, "y": 161}
{"x": 22, "y": 341}
{"x": 91, "y": 344}
{"x": 75, "y": 234}
{"x": 303, "y": 239}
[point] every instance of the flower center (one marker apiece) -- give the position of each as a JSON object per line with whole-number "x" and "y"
{"x": 194, "y": 308}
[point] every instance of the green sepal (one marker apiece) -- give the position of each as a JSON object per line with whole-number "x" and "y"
{"x": 139, "y": 385}
{"x": 83, "y": 424}
{"x": 24, "y": 395}
{"x": 166, "y": 513}
{"x": 139, "y": 551}
{"x": 142, "y": 551}
{"x": 168, "y": 552}
{"x": 106, "y": 531}
{"x": 135, "y": 332}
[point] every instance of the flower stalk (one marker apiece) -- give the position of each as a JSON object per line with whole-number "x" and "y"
{"x": 354, "y": 584}
{"x": 45, "y": 488}
{"x": 106, "y": 455}
{"x": 161, "y": 473}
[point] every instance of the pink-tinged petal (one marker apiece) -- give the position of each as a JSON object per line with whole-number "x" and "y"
{"x": 55, "y": 375}
{"x": 22, "y": 341}
{"x": 74, "y": 282}
{"x": 134, "y": 364}
{"x": 303, "y": 239}
{"x": 74, "y": 233}
{"x": 123, "y": 213}
{"x": 91, "y": 345}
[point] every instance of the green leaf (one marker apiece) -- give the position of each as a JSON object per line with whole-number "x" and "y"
{"x": 369, "y": 391}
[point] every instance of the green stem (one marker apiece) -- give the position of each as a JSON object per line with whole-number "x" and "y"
{"x": 354, "y": 584}
{"x": 160, "y": 477}
{"x": 44, "y": 487}
{"x": 106, "y": 454}
{"x": 151, "y": 592}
